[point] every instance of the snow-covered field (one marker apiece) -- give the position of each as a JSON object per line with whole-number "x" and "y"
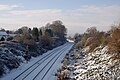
{"x": 43, "y": 67}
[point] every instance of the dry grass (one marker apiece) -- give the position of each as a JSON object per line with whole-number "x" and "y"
{"x": 114, "y": 44}
{"x": 110, "y": 38}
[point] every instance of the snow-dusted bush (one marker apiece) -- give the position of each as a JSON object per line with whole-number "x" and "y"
{"x": 1, "y": 67}
{"x": 63, "y": 74}
{"x": 10, "y": 38}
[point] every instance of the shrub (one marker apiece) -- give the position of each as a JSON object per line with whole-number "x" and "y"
{"x": 89, "y": 41}
{"x": 114, "y": 44}
{"x": 93, "y": 46}
{"x": 25, "y": 38}
{"x": 12, "y": 63}
{"x": 79, "y": 45}
{"x": 94, "y": 38}
{"x": 63, "y": 74}
{"x": 46, "y": 41}
{"x": 92, "y": 42}
{"x": 9, "y": 38}
{"x": 18, "y": 38}
{"x": 28, "y": 42}
{"x": 1, "y": 68}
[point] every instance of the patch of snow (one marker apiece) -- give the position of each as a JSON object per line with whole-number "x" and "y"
{"x": 70, "y": 40}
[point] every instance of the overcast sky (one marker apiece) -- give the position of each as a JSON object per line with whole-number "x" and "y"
{"x": 77, "y": 15}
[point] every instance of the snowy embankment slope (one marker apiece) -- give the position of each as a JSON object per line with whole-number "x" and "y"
{"x": 41, "y": 68}
{"x": 97, "y": 65}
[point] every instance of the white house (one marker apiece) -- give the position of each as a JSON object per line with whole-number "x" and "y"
{"x": 3, "y": 34}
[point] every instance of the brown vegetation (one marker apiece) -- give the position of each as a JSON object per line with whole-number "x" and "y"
{"x": 94, "y": 38}
{"x": 46, "y": 41}
{"x": 63, "y": 73}
{"x": 114, "y": 44}
{"x": 25, "y": 38}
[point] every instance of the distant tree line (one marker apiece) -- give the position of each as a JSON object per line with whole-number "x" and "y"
{"x": 46, "y": 36}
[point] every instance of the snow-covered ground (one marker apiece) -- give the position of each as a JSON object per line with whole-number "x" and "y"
{"x": 70, "y": 40}
{"x": 43, "y": 67}
{"x": 97, "y": 65}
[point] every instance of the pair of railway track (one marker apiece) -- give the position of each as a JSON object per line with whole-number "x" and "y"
{"x": 48, "y": 60}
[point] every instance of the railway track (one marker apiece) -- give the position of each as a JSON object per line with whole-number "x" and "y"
{"x": 42, "y": 67}
{"x": 53, "y": 60}
{"x": 52, "y": 65}
{"x": 23, "y": 75}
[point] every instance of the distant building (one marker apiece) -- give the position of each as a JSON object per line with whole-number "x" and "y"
{"x": 3, "y": 34}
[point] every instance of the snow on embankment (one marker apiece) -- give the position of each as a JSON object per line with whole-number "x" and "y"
{"x": 98, "y": 65}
